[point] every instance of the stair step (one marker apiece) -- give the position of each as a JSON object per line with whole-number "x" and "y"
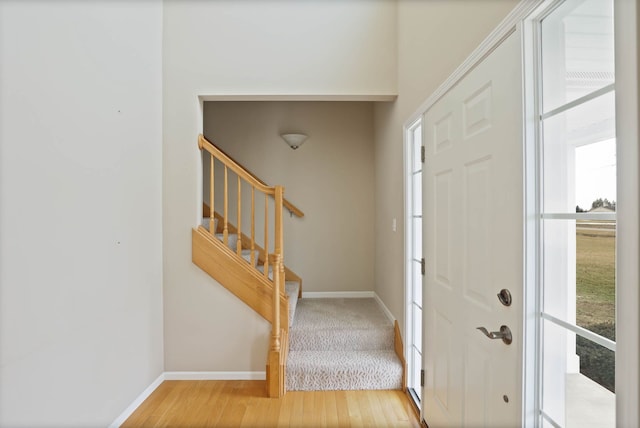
{"x": 357, "y": 324}
{"x": 232, "y": 241}
{"x": 246, "y": 254}
{"x": 343, "y": 370}
{"x": 205, "y": 223}
{"x": 364, "y": 339}
{"x": 292, "y": 288}
{"x": 261, "y": 269}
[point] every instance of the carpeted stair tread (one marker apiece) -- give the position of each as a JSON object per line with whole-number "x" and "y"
{"x": 339, "y": 324}
{"x": 206, "y": 220}
{"x": 343, "y": 370}
{"x": 246, "y": 254}
{"x": 292, "y": 288}
{"x": 261, "y": 269}
{"x": 339, "y": 313}
{"x": 350, "y": 339}
{"x": 232, "y": 240}
{"x": 342, "y": 344}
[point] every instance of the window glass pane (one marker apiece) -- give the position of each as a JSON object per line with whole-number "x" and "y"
{"x": 596, "y": 176}
{"x": 596, "y": 277}
{"x": 554, "y": 370}
{"x": 568, "y": 155}
{"x": 579, "y": 379}
{"x": 417, "y": 284}
{"x": 416, "y": 136}
{"x": 579, "y": 273}
{"x": 417, "y": 238}
{"x": 417, "y": 360}
{"x": 577, "y": 51}
{"x": 559, "y": 270}
{"x": 417, "y": 327}
{"x": 597, "y": 363}
{"x": 417, "y": 193}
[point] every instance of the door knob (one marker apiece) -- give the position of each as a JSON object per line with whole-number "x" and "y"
{"x": 504, "y": 334}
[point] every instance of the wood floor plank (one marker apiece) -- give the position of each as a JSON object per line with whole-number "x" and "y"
{"x": 297, "y": 415}
{"x": 344, "y": 418}
{"x": 331, "y": 409}
{"x": 309, "y": 408}
{"x": 244, "y": 403}
{"x": 214, "y": 404}
{"x": 354, "y": 409}
{"x": 320, "y": 414}
{"x": 163, "y": 409}
{"x": 375, "y": 410}
{"x": 149, "y": 406}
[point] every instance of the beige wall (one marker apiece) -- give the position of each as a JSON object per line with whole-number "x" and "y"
{"x": 330, "y": 178}
{"x": 315, "y": 48}
{"x": 80, "y": 210}
{"x": 434, "y": 37}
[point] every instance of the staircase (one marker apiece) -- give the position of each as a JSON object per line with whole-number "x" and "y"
{"x": 315, "y": 344}
{"x": 293, "y": 288}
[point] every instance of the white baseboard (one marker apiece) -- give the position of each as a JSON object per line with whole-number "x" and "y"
{"x": 215, "y": 375}
{"x": 137, "y": 402}
{"x": 384, "y": 308}
{"x": 337, "y": 294}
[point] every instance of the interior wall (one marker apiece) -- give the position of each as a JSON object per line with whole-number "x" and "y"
{"x": 330, "y": 178}
{"x": 434, "y": 38}
{"x": 80, "y": 209}
{"x": 289, "y": 48}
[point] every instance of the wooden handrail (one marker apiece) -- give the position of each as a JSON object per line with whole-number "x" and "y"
{"x": 239, "y": 169}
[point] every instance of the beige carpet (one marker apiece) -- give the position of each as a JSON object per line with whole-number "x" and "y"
{"x": 342, "y": 344}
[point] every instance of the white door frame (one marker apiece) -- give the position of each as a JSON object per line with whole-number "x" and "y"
{"x": 627, "y": 49}
{"x": 627, "y": 33}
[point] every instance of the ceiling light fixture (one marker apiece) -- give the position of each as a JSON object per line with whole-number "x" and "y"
{"x": 294, "y": 140}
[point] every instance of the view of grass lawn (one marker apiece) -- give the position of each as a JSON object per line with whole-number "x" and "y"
{"x": 595, "y": 294}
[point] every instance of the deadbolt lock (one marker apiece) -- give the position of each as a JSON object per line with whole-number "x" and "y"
{"x": 505, "y": 297}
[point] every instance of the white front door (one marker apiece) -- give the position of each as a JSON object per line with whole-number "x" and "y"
{"x": 473, "y": 242}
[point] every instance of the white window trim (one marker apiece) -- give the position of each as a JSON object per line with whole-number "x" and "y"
{"x": 408, "y": 244}
{"x": 627, "y": 46}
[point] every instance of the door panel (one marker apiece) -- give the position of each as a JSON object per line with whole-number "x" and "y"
{"x": 473, "y": 229}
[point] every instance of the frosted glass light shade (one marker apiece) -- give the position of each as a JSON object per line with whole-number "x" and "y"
{"x": 294, "y": 140}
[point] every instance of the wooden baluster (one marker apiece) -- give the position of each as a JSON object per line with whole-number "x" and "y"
{"x": 225, "y": 230}
{"x": 279, "y": 237}
{"x": 266, "y": 235}
{"x": 275, "y": 325}
{"x": 253, "y": 225}
{"x": 239, "y": 247}
{"x": 211, "y": 196}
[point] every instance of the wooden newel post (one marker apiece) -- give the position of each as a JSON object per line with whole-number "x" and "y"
{"x": 275, "y": 378}
{"x": 277, "y": 268}
{"x": 275, "y": 375}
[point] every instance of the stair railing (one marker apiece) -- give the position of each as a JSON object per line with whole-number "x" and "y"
{"x": 274, "y": 261}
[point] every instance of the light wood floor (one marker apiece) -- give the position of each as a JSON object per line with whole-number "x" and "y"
{"x": 245, "y": 404}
